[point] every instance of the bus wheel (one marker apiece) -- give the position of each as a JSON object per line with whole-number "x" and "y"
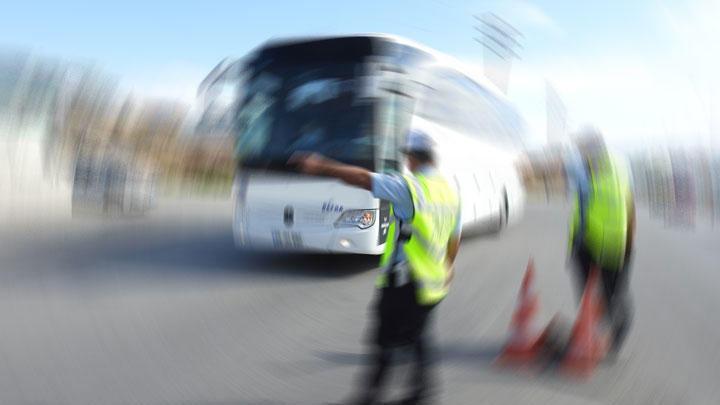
{"x": 503, "y": 214}
{"x": 507, "y": 207}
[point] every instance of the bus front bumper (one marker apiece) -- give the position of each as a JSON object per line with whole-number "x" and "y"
{"x": 333, "y": 240}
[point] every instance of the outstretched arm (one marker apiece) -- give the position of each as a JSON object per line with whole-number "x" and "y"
{"x": 319, "y": 165}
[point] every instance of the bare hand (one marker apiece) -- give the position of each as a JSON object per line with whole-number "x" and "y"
{"x": 449, "y": 275}
{"x": 310, "y": 163}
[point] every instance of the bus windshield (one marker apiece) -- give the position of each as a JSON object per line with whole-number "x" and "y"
{"x": 305, "y": 107}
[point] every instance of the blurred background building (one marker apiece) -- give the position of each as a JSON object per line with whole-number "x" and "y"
{"x": 73, "y": 141}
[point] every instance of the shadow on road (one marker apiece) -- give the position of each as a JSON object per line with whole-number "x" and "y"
{"x": 216, "y": 254}
{"x": 478, "y": 355}
{"x": 143, "y": 251}
{"x": 475, "y": 354}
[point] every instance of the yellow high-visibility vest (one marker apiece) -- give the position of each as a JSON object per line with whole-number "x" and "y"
{"x": 606, "y": 215}
{"x": 436, "y": 208}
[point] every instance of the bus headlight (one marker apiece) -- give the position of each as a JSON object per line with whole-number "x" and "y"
{"x": 363, "y": 219}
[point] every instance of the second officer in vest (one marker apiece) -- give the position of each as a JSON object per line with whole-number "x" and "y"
{"x": 602, "y": 229}
{"x": 417, "y": 264}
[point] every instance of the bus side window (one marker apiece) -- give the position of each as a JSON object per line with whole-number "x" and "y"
{"x": 468, "y": 197}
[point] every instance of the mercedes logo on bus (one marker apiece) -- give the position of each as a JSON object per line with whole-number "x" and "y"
{"x": 288, "y": 216}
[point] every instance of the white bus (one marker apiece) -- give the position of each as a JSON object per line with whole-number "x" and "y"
{"x": 353, "y": 99}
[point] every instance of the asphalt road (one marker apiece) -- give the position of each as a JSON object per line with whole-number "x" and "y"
{"x": 164, "y": 310}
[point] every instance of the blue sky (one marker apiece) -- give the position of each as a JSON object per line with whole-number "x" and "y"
{"x": 639, "y": 69}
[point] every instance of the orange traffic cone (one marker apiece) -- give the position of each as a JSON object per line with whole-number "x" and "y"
{"x": 523, "y": 344}
{"x": 587, "y": 345}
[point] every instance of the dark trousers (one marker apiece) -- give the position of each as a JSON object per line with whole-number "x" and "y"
{"x": 616, "y": 292}
{"x": 400, "y": 323}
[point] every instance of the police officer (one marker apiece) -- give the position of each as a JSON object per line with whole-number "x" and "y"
{"x": 602, "y": 228}
{"x": 417, "y": 265}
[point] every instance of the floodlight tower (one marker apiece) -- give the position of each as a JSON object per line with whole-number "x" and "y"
{"x": 500, "y": 41}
